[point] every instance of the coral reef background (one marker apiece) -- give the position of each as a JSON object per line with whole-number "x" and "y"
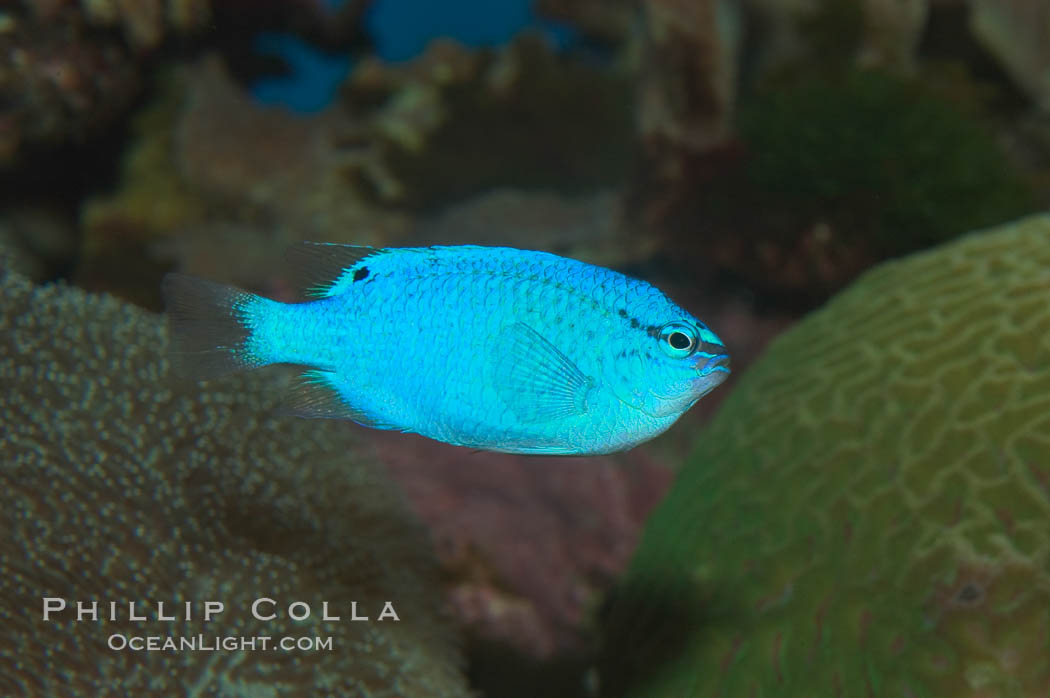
{"x": 750, "y": 157}
{"x": 118, "y": 484}
{"x": 868, "y": 511}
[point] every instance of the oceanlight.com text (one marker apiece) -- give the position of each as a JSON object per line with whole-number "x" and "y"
{"x": 215, "y": 643}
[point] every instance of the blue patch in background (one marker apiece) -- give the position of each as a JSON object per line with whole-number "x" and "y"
{"x": 400, "y": 30}
{"x": 314, "y": 79}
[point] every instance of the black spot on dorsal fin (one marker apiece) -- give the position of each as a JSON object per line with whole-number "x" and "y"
{"x": 315, "y": 266}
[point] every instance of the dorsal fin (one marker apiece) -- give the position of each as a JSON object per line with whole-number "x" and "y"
{"x": 316, "y": 267}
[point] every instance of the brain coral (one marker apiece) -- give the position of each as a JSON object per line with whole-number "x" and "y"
{"x": 116, "y": 486}
{"x": 869, "y": 513}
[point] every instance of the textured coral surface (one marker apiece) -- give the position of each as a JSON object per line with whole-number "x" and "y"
{"x": 869, "y": 513}
{"x": 118, "y": 485}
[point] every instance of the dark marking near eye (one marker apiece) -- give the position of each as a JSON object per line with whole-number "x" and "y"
{"x": 653, "y": 331}
{"x": 635, "y": 324}
{"x": 623, "y": 313}
{"x": 360, "y": 273}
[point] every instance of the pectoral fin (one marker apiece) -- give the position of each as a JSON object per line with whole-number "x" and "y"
{"x": 535, "y": 380}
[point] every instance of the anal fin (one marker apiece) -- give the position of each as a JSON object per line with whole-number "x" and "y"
{"x": 316, "y": 397}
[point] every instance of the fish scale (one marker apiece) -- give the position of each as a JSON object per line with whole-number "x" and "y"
{"x": 486, "y": 347}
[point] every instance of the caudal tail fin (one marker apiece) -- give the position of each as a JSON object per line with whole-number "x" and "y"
{"x": 210, "y": 326}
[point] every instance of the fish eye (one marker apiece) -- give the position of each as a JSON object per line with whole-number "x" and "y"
{"x": 678, "y": 339}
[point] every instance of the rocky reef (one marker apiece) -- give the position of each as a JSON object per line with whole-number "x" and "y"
{"x": 120, "y": 484}
{"x": 750, "y": 157}
{"x": 795, "y": 144}
{"x": 606, "y": 21}
{"x": 212, "y": 170}
{"x": 1015, "y": 31}
{"x": 574, "y": 523}
{"x": 209, "y": 169}
{"x": 866, "y": 515}
{"x": 830, "y": 180}
{"x": 522, "y": 116}
{"x": 69, "y": 69}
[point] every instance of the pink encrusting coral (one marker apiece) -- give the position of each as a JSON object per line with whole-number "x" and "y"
{"x": 528, "y": 544}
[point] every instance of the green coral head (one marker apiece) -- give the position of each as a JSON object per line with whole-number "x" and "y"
{"x": 868, "y": 512}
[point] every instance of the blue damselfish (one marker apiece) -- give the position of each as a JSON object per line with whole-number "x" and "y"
{"x": 488, "y": 347}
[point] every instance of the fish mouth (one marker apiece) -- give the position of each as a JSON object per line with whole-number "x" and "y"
{"x": 711, "y": 372}
{"x": 715, "y": 363}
